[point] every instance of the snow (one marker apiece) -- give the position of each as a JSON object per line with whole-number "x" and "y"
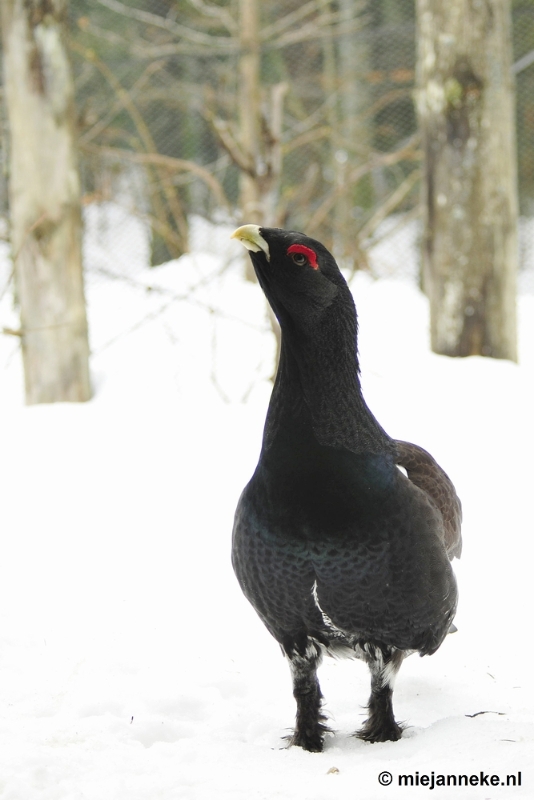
{"x": 131, "y": 666}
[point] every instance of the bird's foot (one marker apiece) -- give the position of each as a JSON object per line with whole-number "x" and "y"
{"x": 380, "y": 730}
{"x": 311, "y": 740}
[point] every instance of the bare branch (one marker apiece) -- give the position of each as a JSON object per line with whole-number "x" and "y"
{"x": 523, "y": 63}
{"x": 196, "y": 37}
{"x": 332, "y": 25}
{"x": 314, "y": 135}
{"x": 312, "y": 119}
{"x": 143, "y": 49}
{"x": 218, "y": 13}
{"x": 385, "y": 100}
{"x": 375, "y": 160}
{"x": 298, "y": 196}
{"x": 286, "y": 22}
{"x": 174, "y": 164}
{"x": 12, "y": 332}
{"x": 88, "y": 26}
{"x": 415, "y": 213}
{"x": 172, "y": 298}
{"x": 170, "y": 237}
{"x": 390, "y": 204}
{"x": 169, "y": 192}
{"x": 119, "y": 104}
{"x": 326, "y": 206}
{"x": 407, "y": 152}
{"x": 8, "y": 282}
{"x": 123, "y": 94}
{"x": 231, "y": 144}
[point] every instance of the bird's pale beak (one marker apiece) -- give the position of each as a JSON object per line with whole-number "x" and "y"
{"x": 251, "y": 238}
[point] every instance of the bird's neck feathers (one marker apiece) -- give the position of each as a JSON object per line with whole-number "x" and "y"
{"x": 317, "y": 390}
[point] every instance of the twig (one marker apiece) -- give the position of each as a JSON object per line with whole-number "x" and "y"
{"x": 281, "y": 25}
{"x": 415, "y": 212}
{"x": 478, "y": 713}
{"x": 524, "y": 62}
{"x": 196, "y": 37}
{"x": 169, "y": 192}
{"x": 102, "y": 123}
{"x": 385, "y": 100}
{"x": 140, "y": 48}
{"x": 407, "y": 151}
{"x": 217, "y": 13}
{"x": 323, "y": 132}
{"x": 230, "y": 144}
{"x": 139, "y": 324}
{"x": 180, "y": 298}
{"x": 390, "y": 204}
{"x": 177, "y": 164}
{"x": 313, "y": 31}
{"x": 11, "y": 332}
{"x": 8, "y": 282}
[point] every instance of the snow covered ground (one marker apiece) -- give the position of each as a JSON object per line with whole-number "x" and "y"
{"x": 131, "y": 667}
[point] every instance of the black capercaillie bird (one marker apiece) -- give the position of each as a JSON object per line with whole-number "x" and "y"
{"x": 336, "y": 548}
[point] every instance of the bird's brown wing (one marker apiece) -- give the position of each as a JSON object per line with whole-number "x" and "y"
{"x": 426, "y": 473}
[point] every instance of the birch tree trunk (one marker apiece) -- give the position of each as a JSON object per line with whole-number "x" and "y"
{"x": 465, "y": 100}
{"x": 45, "y": 201}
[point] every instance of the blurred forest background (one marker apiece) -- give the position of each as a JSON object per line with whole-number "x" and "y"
{"x": 162, "y": 104}
{"x": 299, "y": 115}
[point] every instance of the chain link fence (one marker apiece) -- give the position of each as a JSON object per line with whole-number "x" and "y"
{"x": 163, "y": 78}
{"x": 165, "y": 94}
{"x": 161, "y": 116}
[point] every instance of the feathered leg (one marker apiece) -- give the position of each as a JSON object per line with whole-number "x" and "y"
{"x": 309, "y": 727}
{"x": 380, "y": 725}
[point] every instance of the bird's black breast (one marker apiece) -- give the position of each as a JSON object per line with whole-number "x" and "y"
{"x": 344, "y": 540}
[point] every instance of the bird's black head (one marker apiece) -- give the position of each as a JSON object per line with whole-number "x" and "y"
{"x": 298, "y": 275}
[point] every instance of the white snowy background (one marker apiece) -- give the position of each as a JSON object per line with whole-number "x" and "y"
{"x": 131, "y": 667}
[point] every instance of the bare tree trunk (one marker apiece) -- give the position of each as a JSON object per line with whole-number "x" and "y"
{"x": 336, "y": 159}
{"x": 466, "y": 111}
{"x": 45, "y": 201}
{"x": 274, "y": 156}
{"x": 250, "y": 106}
{"x": 354, "y": 63}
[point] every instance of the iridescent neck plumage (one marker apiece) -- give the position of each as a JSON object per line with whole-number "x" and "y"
{"x": 318, "y": 393}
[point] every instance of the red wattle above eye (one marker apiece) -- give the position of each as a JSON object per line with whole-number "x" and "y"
{"x": 306, "y": 251}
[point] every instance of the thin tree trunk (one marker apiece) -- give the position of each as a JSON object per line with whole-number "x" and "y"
{"x": 250, "y": 106}
{"x": 354, "y": 63}
{"x": 45, "y": 201}
{"x": 274, "y": 156}
{"x": 466, "y": 111}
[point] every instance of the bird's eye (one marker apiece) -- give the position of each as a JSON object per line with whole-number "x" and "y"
{"x": 302, "y": 255}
